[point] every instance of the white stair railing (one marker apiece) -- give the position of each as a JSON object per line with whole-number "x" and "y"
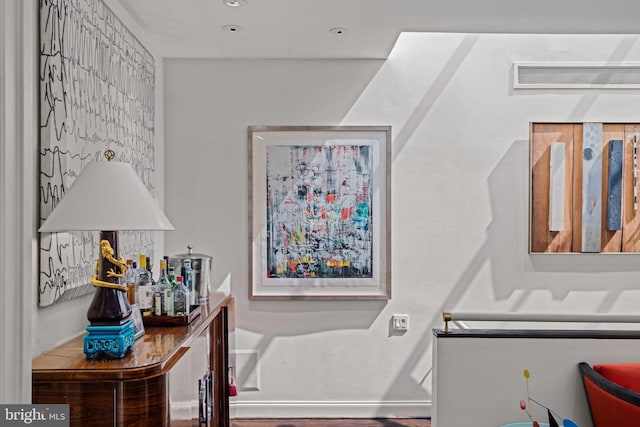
{"x": 458, "y": 317}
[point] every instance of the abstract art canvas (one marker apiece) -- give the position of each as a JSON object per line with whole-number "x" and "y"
{"x": 96, "y": 93}
{"x": 320, "y": 212}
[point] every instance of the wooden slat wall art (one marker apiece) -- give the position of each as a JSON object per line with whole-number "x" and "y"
{"x": 599, "y": 198}
{"x": 614, "y": 185}
{"x": 576, "y": 207}
{"x": 611, "y": 238}
{"x": 543, "y": 136}
{"x": 630, "y": 173}
{"x": 556, "y": 186}
{"x": 591, "y": 187}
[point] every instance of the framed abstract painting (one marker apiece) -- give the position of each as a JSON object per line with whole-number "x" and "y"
{"x": 320, "y": 212}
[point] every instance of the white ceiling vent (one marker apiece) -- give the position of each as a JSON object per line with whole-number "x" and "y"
{"x": 576, "y": 75}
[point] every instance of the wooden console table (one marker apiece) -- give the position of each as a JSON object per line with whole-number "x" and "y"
{"x": 157, "y": 384}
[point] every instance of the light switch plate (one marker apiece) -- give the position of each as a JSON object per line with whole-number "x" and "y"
{"x": 400, "y": 322}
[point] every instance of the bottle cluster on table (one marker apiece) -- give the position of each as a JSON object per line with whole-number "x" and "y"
{"x": 170, "y": 295}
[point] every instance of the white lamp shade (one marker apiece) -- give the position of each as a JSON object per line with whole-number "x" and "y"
{"x": 107, "y": 196}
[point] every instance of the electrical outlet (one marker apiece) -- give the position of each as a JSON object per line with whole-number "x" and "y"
{"x": 400, "y": 322}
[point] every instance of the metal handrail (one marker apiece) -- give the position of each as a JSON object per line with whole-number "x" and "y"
{"x": 448, "y": 316}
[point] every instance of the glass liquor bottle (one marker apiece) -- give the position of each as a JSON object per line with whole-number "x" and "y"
{"x": 149, "y": 269}
{"x": 169, "y": 299}
{"x": 171, "y": 275}
{"x": 180, "y": 298}
{"x": 162, "y": 292}
{"x": 129, "y": 280}
{"x": 190, "y": 281}
{"x": 144, "y": 292}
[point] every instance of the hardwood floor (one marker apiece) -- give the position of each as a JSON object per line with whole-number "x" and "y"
{"x": 331, "y": 422}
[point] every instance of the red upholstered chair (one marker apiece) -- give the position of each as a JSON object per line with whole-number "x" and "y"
{"x": 613, "y": 392}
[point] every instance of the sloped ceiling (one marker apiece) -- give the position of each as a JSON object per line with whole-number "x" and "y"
{"x": 301, "y": 28}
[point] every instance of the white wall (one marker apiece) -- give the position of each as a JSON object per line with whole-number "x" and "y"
{"x": 459, "y": 202}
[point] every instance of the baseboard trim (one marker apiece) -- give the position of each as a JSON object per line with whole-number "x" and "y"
{"x": 184, "y": 410}
{"x": 331, "y": 409}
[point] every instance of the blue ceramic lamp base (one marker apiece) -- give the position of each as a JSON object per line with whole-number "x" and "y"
{"x": 109, "y": 342}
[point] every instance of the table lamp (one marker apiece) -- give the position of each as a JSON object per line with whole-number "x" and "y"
{"x": 107, "y": 197}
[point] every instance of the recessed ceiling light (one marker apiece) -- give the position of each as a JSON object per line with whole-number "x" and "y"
{"x": 232, "y": 28}
{"x": 234, "y": 3}
{"x": 339, "y": 31}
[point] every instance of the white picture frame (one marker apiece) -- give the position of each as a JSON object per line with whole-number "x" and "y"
{"x": 320, "y": 212}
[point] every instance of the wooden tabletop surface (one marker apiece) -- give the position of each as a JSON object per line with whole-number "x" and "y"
{"x": 153, "y": 353}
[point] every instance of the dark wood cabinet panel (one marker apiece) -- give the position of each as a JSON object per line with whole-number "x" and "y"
{"x": 94, "y": 404}
{"x": 142, "y": 402}
{"x": 135, "y": 391}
